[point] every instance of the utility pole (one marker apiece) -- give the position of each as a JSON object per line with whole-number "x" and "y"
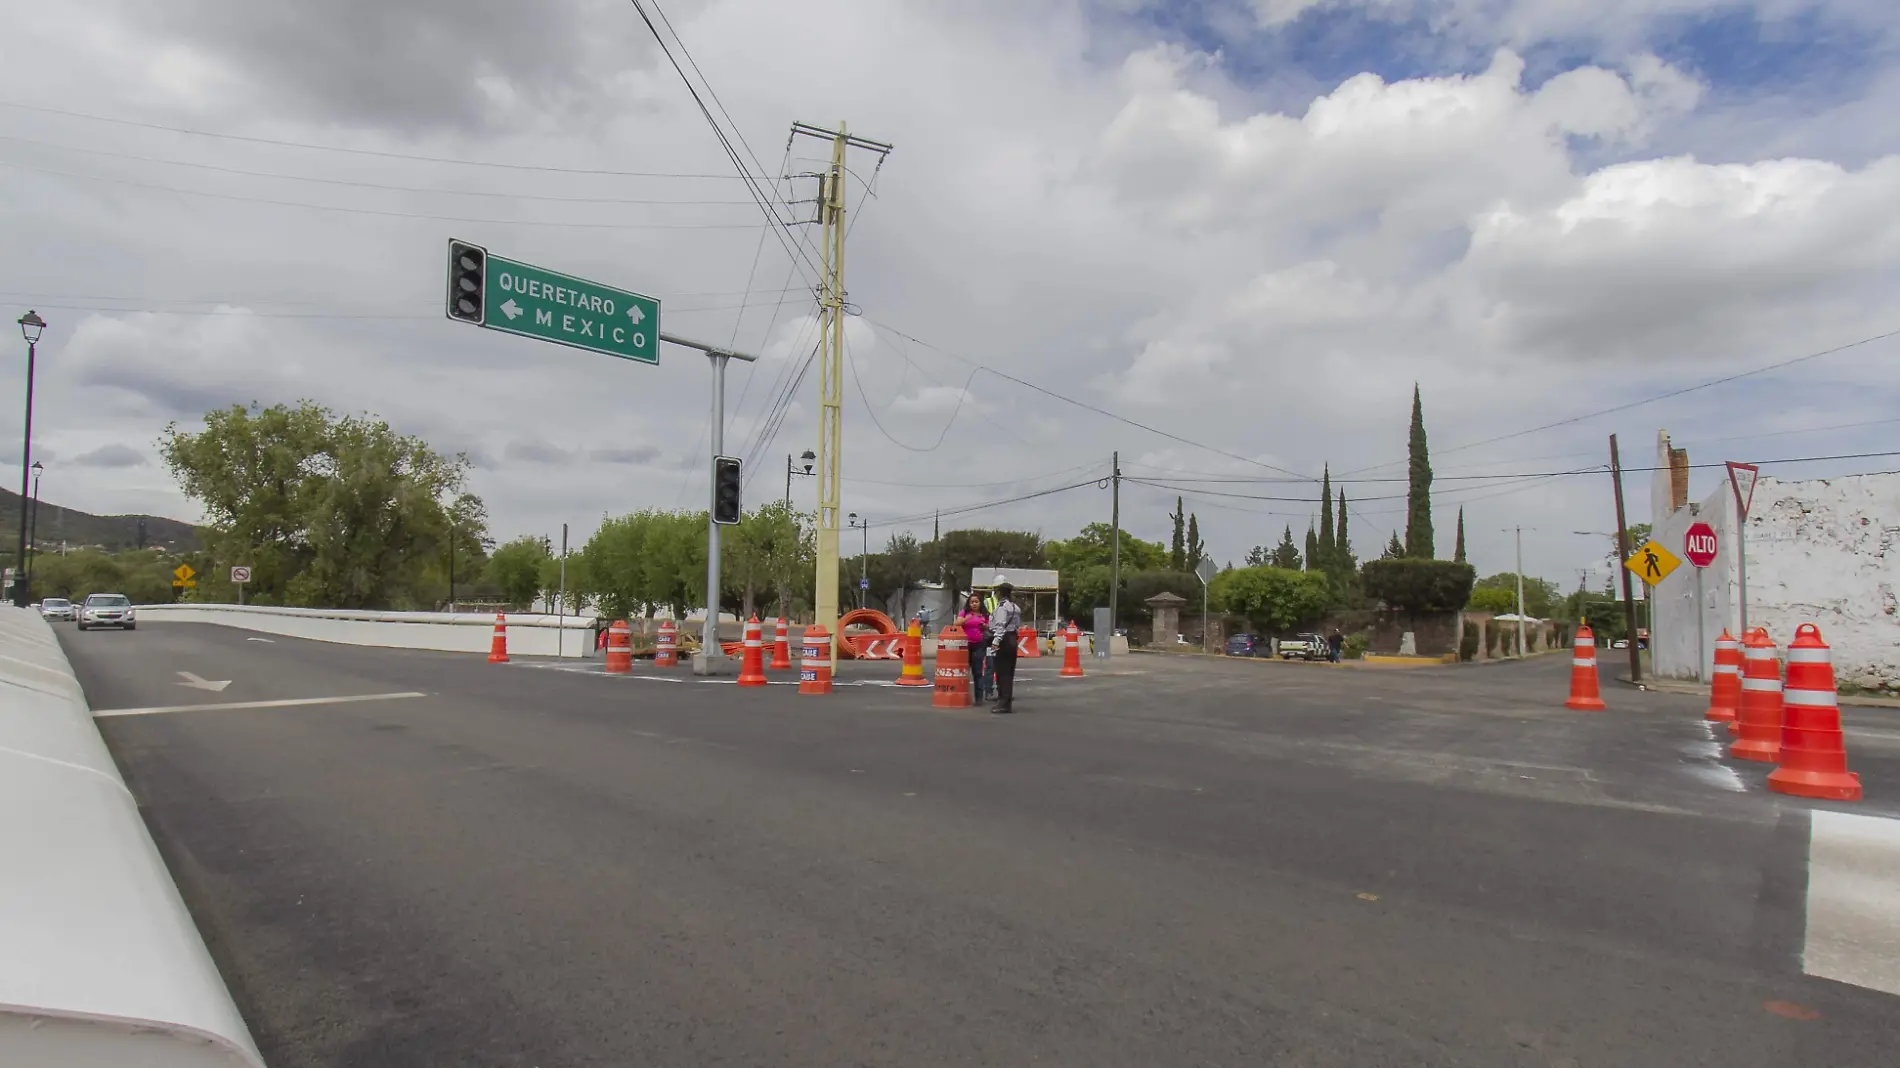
{"x": 1622, "y": 554}
{"x": 1520, "y": 590}
{"x": 831, "y": 201}
{"x": 1115, "y": 546}
{"x": 560, "y": 615}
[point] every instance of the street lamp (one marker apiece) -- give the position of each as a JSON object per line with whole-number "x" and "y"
{"x": 33, "y": 531}
{"x": 31, "y": 326}
{"x": 864, "y": 552}
{"x": 808, "y": 458}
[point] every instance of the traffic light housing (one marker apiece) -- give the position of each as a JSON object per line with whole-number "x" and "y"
{"x": 468, "y": 269}
{"x": 726, "y": 482}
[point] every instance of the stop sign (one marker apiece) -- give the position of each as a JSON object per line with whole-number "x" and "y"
{"x": 1699, "y": 544}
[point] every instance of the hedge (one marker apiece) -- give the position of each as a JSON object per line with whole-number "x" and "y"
{"x": 1410, "y": 585}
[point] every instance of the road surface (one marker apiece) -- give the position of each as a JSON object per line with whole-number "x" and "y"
{"x": 1189, "y": 862}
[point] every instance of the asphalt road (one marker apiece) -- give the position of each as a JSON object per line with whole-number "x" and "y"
{"x": 1184, "y": 863}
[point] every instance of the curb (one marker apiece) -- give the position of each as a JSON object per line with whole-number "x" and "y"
{"x": 1696, "y": 689}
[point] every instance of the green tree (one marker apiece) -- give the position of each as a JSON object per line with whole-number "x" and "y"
{"x": 965, "y": 551}
{"x": 575, "y": 586}
{"x": 1271, "y": 599}
{"x": 1177, "y": 548}
{"x": 1327, "y": 539}
{"x": 1091, "y": 546}
{"x": 1492, "y": 600}
{"x": 1393, "y": 550}
{"x": 1541, "y": 598}
{"x": 1286, "y": 556}
{"x": 1345, "y": 561}
{"x": 1261, "y": 556}
{"x": 1312, "y": 548}
{"x": 1196, "y": 548}
{"x": 1418, "y": 493}
{"x": 764, "y": 554}
{"x": 329, "y": 511}
{"x": 516, "y": 569}
{"x": 1458, "y": 552}
{"x": 1409, "y": 584}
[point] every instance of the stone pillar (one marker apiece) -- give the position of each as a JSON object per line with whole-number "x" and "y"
{"x": 1167, "y": 617}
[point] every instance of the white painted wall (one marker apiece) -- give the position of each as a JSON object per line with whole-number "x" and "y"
{"x": 100, "y": 964}
{"x": 1824, "y": 551}
{"x": 528, "y": 635}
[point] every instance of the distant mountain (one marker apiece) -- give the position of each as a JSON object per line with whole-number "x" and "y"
{"x": 84, "y": 530}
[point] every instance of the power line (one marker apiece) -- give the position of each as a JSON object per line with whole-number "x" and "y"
{"x": 1017, "y": 481}
{"x": 1085, "y": 405}
{"x": 366, "y": 185}
{"x": 309, "y": 146}
{"x": 377, "y": 212}
{"x": 982, "y": 506}
{"x": 870, "y": 410}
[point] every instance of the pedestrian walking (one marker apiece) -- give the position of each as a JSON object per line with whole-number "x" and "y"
{"x": 1005, "y": 620}
{"x": 1334, "y": 643}
{"x": 975, "y": 622}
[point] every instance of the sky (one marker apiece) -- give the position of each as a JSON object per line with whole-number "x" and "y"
{"x": 1224, "y": 238}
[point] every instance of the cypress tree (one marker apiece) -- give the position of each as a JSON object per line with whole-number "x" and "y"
{"x": 1312, "y": 549}
{"x": 1177, "y": 550}
{"x": 1342, "y": 543}
{"x": 1458, "y": 554}
{"x": 1196, "y": 548}
{"x": 1287, "y": 554}
{"x": 1325, "y": 560}
{"x": 1393, "y": 550}
{"x": 1418, "y": 496}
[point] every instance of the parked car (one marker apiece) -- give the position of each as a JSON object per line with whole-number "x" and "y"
{"x": 107, "y": 610}
{"x": 57, "y": 610}
{"x": 1305, "y": 647}
{"x": 1246, "y": 645}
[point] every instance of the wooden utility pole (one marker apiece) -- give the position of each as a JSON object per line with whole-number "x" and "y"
{"x": 831, "y": 312}
{"x": 1115, "y": 546}
{"x": 1622, "y": 554}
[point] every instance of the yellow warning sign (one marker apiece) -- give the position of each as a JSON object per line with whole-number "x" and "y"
{"x": 1652, "y": 563}
{"x": 183, "y": 572}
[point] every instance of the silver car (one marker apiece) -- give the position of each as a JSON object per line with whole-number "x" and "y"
{"x": 57, "y": 610}
{"x": 107, "y": 610}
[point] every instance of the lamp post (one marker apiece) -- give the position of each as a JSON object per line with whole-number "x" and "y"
{"x": 33, "y": 530}
{"x": 864, "y": 552}
{"x": 31, "y": 326}
{"x": 808, "y": 458}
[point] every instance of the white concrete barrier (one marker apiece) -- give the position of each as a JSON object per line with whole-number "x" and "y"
{"x": 100, "y": 964}
{"x": 460, "y": 632}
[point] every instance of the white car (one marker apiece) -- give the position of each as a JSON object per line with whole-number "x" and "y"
{"x": 107, "y": 610}
{"x": 57, "y": 610}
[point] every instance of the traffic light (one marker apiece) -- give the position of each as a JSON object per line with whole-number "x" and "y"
{"x": 468, "y": 265}
{"x": 726, "y": 472}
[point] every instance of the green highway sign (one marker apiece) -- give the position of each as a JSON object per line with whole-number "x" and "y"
{"x": 520, "y": 298}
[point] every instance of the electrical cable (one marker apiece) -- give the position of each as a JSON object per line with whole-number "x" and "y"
{"x": 876, "y": 422}
{"x": 982, "y": 506}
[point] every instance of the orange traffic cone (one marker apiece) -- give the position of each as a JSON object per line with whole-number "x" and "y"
{"x": 1026, "y": 643}
{"x": 1813, "y": 752}
{"x": 1725, "y": 691}
{"x": 953, "y": 670}
{"x": 666, "y": 645}
{"x": 1072, "y": 652}
{"x": 1758, "y": 721}
{"x": 781, "y": 647}
{"x": 913, "y": 672}
{"x": 1583, "y": 673}
{"x": 814, "y": 669}
{"x": 619, "y": 648}
{"x": 752, "y": 665}
{"x": 498, "y": 645}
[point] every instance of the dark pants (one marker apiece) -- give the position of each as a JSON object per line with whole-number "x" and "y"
{"x": 1004, "y": 665}
{"x": 979, "y": 671}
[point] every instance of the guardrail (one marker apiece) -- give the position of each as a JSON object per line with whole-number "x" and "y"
{"x": 460, "y": 632}
{"x": 100, "y": 964}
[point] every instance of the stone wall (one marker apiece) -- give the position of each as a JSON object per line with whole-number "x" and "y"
{"x": 1433, "y": 633}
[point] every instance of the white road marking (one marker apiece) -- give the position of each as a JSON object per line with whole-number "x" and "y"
{"x": 289, "y": 702}
{"x": 1854, "y": 900}
{"x": 267, "y": 641}
{"x": 198, "y": 682}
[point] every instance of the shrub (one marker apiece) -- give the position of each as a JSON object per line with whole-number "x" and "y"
{"x": 1410, "y": 585}
{"x": 1271, "y": 599}
{"x": 1468, "y": 645}
{"x": 1355, "y": 647}
{"x": 1490, "y": 642}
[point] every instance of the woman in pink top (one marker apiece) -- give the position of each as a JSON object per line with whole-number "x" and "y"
{"x": 976, "y": 628}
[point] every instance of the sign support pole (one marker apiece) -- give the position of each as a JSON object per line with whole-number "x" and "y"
{"x": 1623, "y": 553}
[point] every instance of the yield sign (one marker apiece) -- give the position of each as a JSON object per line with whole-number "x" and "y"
{"x": 1742, "y": 478}
{"x": 1652, "y": 563}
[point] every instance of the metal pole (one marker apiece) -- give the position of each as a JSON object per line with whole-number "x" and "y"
{"x": 1115, "y": 546}
{"x": 451, "y": 566}
{"x": 1741, "y": 563}
{"x": 560, "y": 614}
{"x": 33, "y": 536}
{"x": 788, "y": 481}
{"x": 710, "y": 656}
{"x": 1622, "y": 554}
{"x": 1701, "y": 633}
{"x": 864, "y": 554}
{"x": 1520, "y": 590}
{"x": 26, "y": 461}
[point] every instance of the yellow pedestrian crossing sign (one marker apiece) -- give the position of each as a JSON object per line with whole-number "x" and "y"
{"x": 1652, "y": 563}
{"x": 183, "y": 572}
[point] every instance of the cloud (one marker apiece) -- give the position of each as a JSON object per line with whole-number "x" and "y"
{"x": 112, "y": 456}
{"x": 639, "y": 455}
{"x": 535, "y": 452}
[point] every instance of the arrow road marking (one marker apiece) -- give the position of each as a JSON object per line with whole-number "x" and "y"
{"x": 197, "y": 683}
{"x": 512, "y": 309}
{"x": 636, "y": 315}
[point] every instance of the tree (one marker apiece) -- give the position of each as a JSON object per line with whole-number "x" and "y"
{"x": 966, "y": 550}
{"x": 1091, "y": 546}
{"x": 552, "y": 587}
{"x": 1418, "y": 493}
{"x": 1327, "y": 539}
{"x": 1196, "y": 548}
{"x": 1495, "y": 601}
{"x": 1345, "y": 561}
{"x": 328, "y": 511}
{"x": 766, "y": 553}
{"x": 636, "y": 564}
{"x": 1541, "y": 598}
{"x": 1286, "y": 556}
{"x": 1312, "y": 548}
{"x": 1458, "y": 553}
{"x": 516, "y": 569}
{"x": 1393, "y": 550}
{"x": 1409, "y": 584}
{"x": 1177, "y": 548}
{"x": 1259, "y": 556}
{"x": 1272, "y": 599}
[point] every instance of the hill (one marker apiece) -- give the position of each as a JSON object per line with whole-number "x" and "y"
{"x": 83, "y": 529}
